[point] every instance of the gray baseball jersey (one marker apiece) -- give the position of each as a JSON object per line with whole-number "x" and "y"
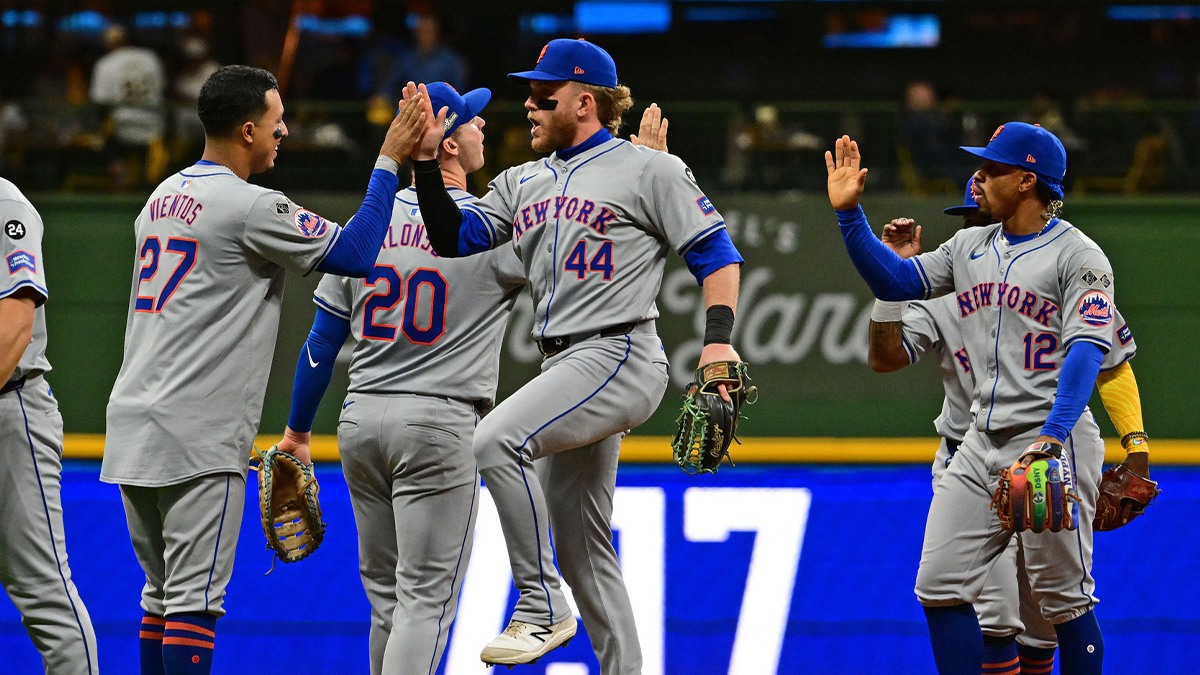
{"x": 35, "y": 573}
{"x": 455, "y": 307}
{"x": 24, "y": 267}
{"x": 1020, "y": 308}
{"x": 594, "y": 231}
{"x": 203, "y": 313}
{"x": 428, "y": 332}
{"x": 933, "y": 325}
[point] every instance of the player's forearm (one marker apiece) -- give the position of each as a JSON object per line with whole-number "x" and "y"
{"x": 1075, "y": 381}
{"x": 442, "y": 217}
{"x": 355, "y": 251}
{"x": 885, "y": 345}
{"x": 888, "y": 275}
{"x": 314, "y": 368}
{"x": 721, "y": 286}
{"x": 1119, "y": 393}
{"x": 16, "y": 332}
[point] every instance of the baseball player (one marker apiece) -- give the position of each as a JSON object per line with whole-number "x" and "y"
{"x": 208, "y": 277}
{"x": 593, "y": 224}
{"x": 33, "y": 547}
{"x": 1016, "y": 637}
{"x": 1035, "y": 303}
{"x": 427, "y": 334}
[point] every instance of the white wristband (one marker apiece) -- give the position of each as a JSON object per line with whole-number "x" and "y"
{"x": 887, "y": 312}
{"x": 387, "y": 164}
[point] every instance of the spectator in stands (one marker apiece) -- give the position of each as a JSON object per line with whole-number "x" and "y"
{"x": 429, "y": 59}
{"x": 130, "y": 82}
{"x": 928, "y": 135}
{"x": 196, "y": 64}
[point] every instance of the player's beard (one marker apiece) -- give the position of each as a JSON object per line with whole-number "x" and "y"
{"x": 553, "y": 134}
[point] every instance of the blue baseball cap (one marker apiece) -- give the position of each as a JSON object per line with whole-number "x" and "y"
{"x": 576, "y": 60}
{"x": 461, "y": 108}
{"x": 1030, "y": 147}
{"x": 969, "y": 204}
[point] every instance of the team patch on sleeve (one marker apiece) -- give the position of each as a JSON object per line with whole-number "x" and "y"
{"x": 706, "y": 206}
{"x": 1124, "y": 334}
{"x": 1098, "y": 279}
{"x": 310, "y": 224}
{"x": 1096, "y": 309}
{"x": 22, "y": 260}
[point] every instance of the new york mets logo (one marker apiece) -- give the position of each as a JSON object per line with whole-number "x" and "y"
{"x": 996, "y": 133}
{"x": 310, "y": 224}
{"x": 22, "y": 260}
{"x": 543, "y": 52}
{"x": 1095, "y": 309}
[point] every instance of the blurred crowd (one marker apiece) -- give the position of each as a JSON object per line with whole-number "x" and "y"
{"x": 102, "y": 98}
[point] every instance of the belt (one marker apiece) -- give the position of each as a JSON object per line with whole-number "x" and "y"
{"x": 553, "y": 345}
{"x": 952, "y": 446}
{"x": 12, "y": 385}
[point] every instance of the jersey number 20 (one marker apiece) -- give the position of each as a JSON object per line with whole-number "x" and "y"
{"x": 390, "y": 289}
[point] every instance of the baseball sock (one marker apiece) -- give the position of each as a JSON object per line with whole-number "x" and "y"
{"x": 150, "y": 644}
{"x": 1000, "y": 655}
{"x": 188, "y": 644}
{"x": 1081, "y": 645}
{"x": 1035, "y": 660}
{"x": 956, "y": 638}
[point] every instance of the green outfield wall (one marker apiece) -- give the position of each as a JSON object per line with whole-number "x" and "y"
{"x": 801, "y": 321}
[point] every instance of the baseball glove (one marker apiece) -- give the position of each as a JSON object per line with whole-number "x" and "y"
{"x": 288, "y": 504}
{"x": 1038, "y": 492}
{"x": 707, "y": 422}
{"x": 1124, "y": 495}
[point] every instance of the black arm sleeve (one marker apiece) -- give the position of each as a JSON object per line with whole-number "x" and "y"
{"x": 441, "y": 214}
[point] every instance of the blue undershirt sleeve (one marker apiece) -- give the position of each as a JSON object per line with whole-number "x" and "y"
{"x": 314, "y": 368}
{"x": 889, "y": 276}
{"x": 473, "y": 236}
{"x": 354, "y": 252}
{"x": 1075, "y": 383}
{"x": 711, "y": 254}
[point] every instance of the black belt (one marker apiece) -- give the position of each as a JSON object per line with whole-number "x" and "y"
{"x": 12, "y": 385}
{"x": 952, "y": 446}
{"x": 553, "y": 345}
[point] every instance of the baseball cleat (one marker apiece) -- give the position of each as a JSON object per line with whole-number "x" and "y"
{"x": 525, "y": 642}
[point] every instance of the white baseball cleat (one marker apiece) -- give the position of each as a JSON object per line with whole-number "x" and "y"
{"x": 525, "y": 642}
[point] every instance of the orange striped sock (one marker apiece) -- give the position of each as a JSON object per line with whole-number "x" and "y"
{"x": 150, "y": 640}
{"x": 1035, "y": 660}
{"x": 188, "y": 643}
{"x": 1000, "y": 656}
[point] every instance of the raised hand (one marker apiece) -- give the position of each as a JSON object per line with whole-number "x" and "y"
{"x": 406, "y": 130}
{"x": 653, "y": 131}
{"x": 847, "y": 178}
{"x": 903, "y": 236}
{"x": 435, "y": 122}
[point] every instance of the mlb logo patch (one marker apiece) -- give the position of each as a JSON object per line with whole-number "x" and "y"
{"x": 706, "y": 206}
{"x": 1124, "y": 334}
{"x": 310, "y": 224}
{"x": 22, "y": 260}
{"x": 183, "y": 185}
{"x": 1095, "y": 309}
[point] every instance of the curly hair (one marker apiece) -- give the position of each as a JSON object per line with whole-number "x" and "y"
{"x": 611, "y": 104}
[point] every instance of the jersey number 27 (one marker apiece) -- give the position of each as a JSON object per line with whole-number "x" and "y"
{"x": 151, "y": 253}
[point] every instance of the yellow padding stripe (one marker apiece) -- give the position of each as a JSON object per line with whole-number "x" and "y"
{"x": 657, "y": 449}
